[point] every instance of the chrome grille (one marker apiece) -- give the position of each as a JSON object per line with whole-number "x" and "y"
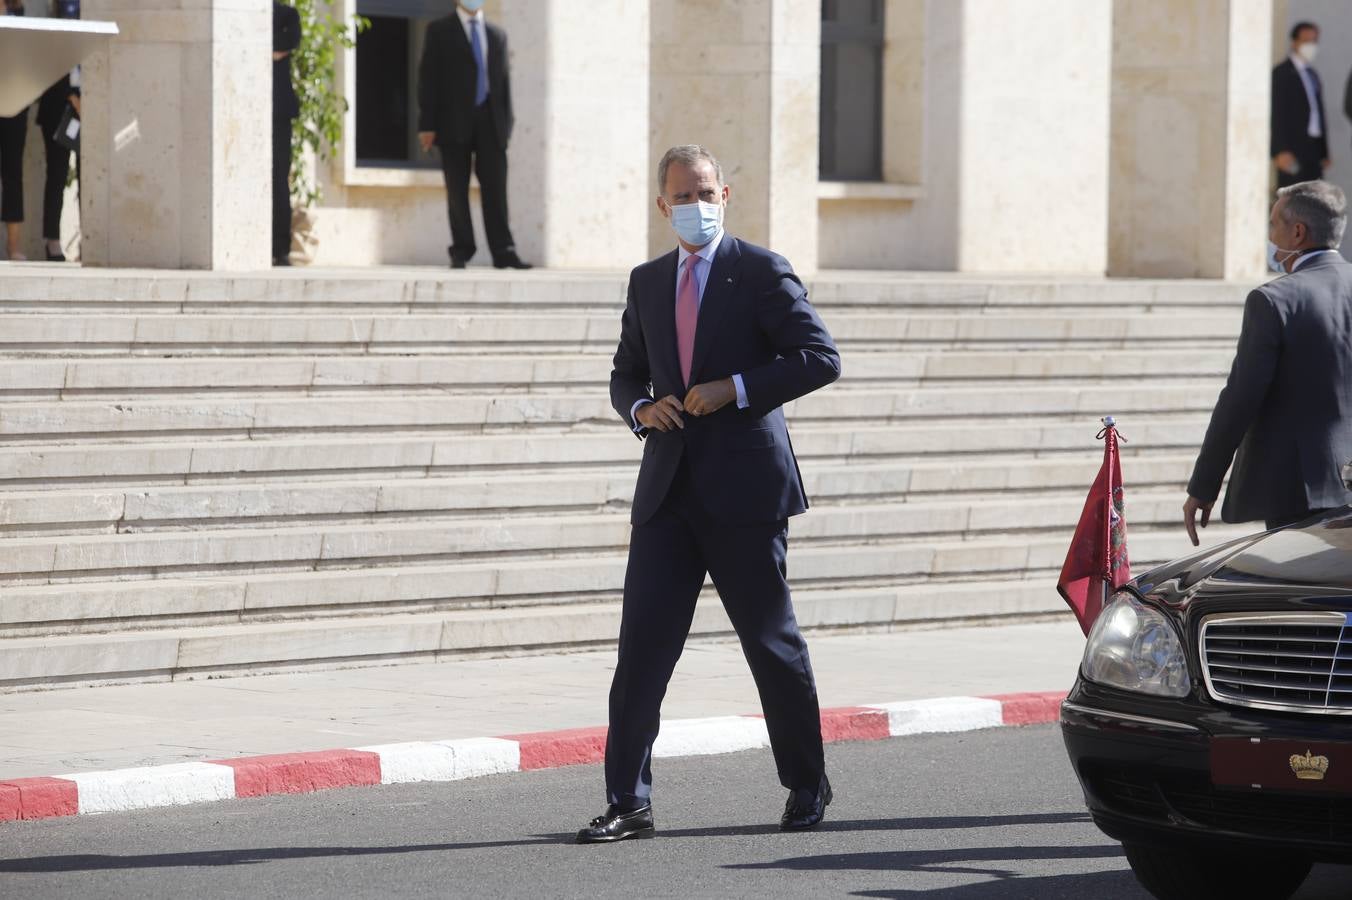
{"x": 1296, "y": 661}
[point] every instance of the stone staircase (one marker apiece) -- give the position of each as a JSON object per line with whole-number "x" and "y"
{"x": 209, "y": 475}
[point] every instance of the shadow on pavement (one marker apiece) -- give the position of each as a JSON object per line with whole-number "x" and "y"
{"x": 1120, "y": 885}
{"x": 937, "y": 860}
{"x": 76, "y": 862}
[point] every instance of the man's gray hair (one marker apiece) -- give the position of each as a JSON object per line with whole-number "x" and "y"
{"x": 686, "y": 155}
{"x": 1318, "y": 205}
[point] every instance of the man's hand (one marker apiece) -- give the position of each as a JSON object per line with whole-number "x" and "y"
{"x": 280, "y": 54}
{"x": 427, "y": 139}
{"x": 1286, "y": 161}
{"x": 710, "y": 397}
{"x": 1326, "y": 164}
{"x": 1190, "y": 510}
{"x": 664, "y": 415}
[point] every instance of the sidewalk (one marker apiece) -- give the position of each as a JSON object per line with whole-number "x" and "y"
{"x": 64, "y": 732}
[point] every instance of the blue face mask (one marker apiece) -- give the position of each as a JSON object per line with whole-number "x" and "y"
{"x": 472, "y": 5}
{"x": 1275, "y": 264}
{"x": 697, "y": 223}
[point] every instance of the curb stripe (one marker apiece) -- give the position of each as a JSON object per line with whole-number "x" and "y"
{"x": 550, "y": 749}
{"x": 290, "y": 773}
{"x": 38, "y": 798}
{"x": 296, "y": 773}
{"x": 1030, "y": 709}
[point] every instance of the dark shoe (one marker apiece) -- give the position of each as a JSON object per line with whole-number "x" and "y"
{"x": 284, "y": 261}
{"x": 461, "y": 259}
{"x": 615, "y": 825}
{"x": 805, "y": 807}
{"x": 55, "y": 257}
{"x": 457, "y": 263}
{"x": 511, "y": 261}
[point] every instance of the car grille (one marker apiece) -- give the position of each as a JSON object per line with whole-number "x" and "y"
{"x": 1300, "y": 661}
{"x": 1285, "y": 816}
{"x": 1303, "y": 817}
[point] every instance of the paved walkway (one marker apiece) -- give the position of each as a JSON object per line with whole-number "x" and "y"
{"x": 91, "y": 729}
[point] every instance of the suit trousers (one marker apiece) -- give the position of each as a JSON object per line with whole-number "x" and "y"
{"x": 489, "y": 158}
{"x": 54, "y": 185}
{"x": 13, "y": 132}
{"x": 668, "y": 558}
{"x": 281, "y": 187}
{"x": 1310, "y": 162}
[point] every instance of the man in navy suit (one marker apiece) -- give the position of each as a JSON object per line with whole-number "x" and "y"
{"x": 717, "y": 335}
{"x": 1299, "y": 131}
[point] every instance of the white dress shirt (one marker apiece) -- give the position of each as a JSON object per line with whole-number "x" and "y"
{"x": 1314, "y": 128}
{"x": 1306, "y": 257}
{"x": 472, "y": 21}
{"x": 701, "y": 273}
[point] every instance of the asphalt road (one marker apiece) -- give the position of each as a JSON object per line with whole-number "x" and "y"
{"x": 990, "y": 814}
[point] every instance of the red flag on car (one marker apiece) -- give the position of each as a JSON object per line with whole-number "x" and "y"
{"x": 1096, "y": 564}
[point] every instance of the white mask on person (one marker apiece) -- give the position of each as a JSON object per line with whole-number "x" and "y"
{"x": 1308, "y": 51}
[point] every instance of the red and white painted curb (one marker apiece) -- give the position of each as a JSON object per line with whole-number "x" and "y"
{"x": 292, "y": 773}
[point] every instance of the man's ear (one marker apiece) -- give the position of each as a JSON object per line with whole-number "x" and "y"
{"x": 662, "y": 207}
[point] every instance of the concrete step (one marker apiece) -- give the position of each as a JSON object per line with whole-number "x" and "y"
{"x": 257, "y": 647}
{"x": 426, "y": 538}
{"x": 193, "y": 458}
{"x": 217, "y": 335}
{"x": 143, "y": 377}
{"x": 584, "y": 490}
{"x": 427, "y": 289}
{"x": 46, "y": 420}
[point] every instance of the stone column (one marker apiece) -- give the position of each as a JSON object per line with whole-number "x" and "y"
{"x": 743, "y": 79}
{"x": 1032, "y": 85}
{"x": 578, "y": 159}
{"x": 1191, "y": 84}
{"x": 176, "y": 148}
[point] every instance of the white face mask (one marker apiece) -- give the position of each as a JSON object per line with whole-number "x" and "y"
{"x": 1308, "y": 51}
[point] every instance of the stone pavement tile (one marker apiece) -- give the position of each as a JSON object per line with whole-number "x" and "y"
{"x": 56, "y": 732}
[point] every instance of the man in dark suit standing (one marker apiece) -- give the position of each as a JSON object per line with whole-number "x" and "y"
{"x": 1287, "y": 407}
{"x": 717, "y": 335}
{"x": 465, "y": 109}
{"x": 1300, "y": 147}
{"x": 285, "y": 108}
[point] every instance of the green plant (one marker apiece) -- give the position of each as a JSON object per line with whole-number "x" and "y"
{"x": 314, "y": 72}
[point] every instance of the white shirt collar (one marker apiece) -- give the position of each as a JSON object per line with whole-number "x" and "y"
{"x": 1306, "y": 257}
{"x": 466, "y": 18}
{"x": 705, "y": 253}
{"x": 1300, "y": 64}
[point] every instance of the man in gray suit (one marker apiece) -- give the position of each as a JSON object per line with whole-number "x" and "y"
{"x": 1287, "y": 407}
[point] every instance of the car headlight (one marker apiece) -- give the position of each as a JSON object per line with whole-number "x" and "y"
{"x": 1132, "y": 646}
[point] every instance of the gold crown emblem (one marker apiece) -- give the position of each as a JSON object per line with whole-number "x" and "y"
{"x": 1309, "y": 768}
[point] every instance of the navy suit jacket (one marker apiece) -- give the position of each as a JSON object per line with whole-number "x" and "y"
{"x": 1287, "y": 407}
{"x": 754, "y": 319}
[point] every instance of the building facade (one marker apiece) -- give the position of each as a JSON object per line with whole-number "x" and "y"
{"x": 1120, "y": 137}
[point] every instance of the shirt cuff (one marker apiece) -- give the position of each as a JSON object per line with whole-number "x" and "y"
{"x": 742, "y": 402}
{"x": 638, "y": 429}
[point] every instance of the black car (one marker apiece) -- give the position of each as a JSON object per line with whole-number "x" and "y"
{"x": 1211, "y": 722}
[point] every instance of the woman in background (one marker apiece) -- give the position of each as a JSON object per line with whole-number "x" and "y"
{"x": 51, "y": 108}
{"x": 13, "y": 130}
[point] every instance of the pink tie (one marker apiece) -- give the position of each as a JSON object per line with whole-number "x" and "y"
{"x": 687, "y": 316}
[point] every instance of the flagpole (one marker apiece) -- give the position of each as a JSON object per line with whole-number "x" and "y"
{"x": 1109, "y": 424}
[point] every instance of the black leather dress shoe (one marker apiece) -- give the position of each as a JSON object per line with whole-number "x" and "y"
{"x": 616, "y": 825}
{"x": 805, "y": 807}
{"x": 457, "y": 263}
{"x": 511, "y": 262}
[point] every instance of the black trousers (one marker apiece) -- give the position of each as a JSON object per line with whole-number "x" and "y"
{"x": 668, "y": 558}
{"x": 13, "y": 131}
{"x": 489, "y": 158}
{"x": 281, "y": 186}
{"x": 54, "y": 185}
{"x": 1310, "y": 162}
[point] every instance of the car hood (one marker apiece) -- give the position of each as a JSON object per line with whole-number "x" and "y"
{"x": 1312, "y": 558}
